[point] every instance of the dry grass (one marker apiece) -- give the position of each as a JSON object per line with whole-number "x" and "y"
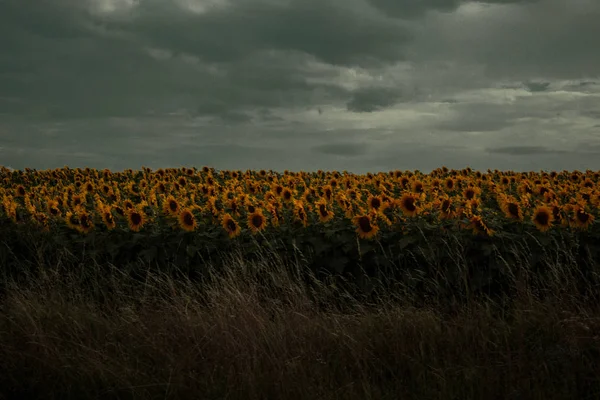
{"x": 258, "y": 332}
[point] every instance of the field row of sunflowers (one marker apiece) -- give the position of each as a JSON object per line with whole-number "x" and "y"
{"x": 192, "y": 199}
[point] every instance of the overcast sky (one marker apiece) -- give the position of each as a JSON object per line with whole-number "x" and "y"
{"x": 356, "y": 85}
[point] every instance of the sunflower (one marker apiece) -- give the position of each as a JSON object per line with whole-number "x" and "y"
{"x": 256, "y": 221}
{"x": 557, "y": 212}
{"x": 133, "y": 188}
{"x": 588, "y": 183}
{"x": 471, "y": 192}
{"x": 575, "y": 177}
{"x": 42, "y": 219}
{"x": 325, "y": 215}
{"x": 120, "y": 211}
{"x": 234, "y": 205}
{"x": 76, "y": 201}
{"x": 85, "y": 222}
{"x": 187, "y": 221}
{"x": 107, "y": 218}
{"x": 270, "y": 196}
{"x": 128, "y": 204}
{"x": 376, "y": 203}
{"x": 205, "y": 190}
{"x": 161, "y": 187}
{"x": 352, "y": 194}
{"x": 72, "y": 220}
{"x": 300, "y": 214}
{"x": 275, "y": 214}
{"x": 446, "y": 208}
{"x": 327, "y": 192}
{"x": 135, "y": 219}
{"x": 418, "y": 187}
{"x": 543, "y": 218}
{"x": 53, "y": 209}
{"x": 171, "y": 206}
{"x": 511, "y": 209}
{"x": 449, "y": 184}
{"x": 582, "y": 219}
{"x": 524, "y": 188}
{"x": 20, "y": 191}
{"x": 407, "y": 204}
{"x": 404, "y": 181}
{"x": 113, "y": 197}
{"x": 479, "y": 227}
{"x": 215, "y": 205}
{"x": 365, "y": 227}
{"x": 383, "y": 217}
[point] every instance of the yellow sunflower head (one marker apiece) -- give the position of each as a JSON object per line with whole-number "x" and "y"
{"x": 407, "y": 204}
{"x": 542, "y": 218}
{"x": 256, "y": 221}
{"x": 85, "y": 222}
{"x": 108, "y": 218}
{"x": 171, "y": 206}
{"x": 135, "y": 219}
{"x": 512, "y": 209}
{"x": 230, "y": 225}
{"x": 582, "y": 219}
{"x": 365, "y": 226}
{"x": 186, "y": 220}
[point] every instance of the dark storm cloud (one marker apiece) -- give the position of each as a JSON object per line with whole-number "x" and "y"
{"x": 478, "y": 117}
{"x": 235, "y": 117}
{"x": 413, "y": 8}
{"x": 593, "y": 148}
{"x": 299, "y": 84}
{"x": 555, "y": 108}
{"x": 334, "y": 31}
{"x": 537, "y": 86}
{"x": 595, "y": 114}
{"x": 64, "y": 61}
{"x": 529, "y": 40}
{"x": 417, "y": 8}
{"x": 524, "y": 150}
{"x": 342, "y": 149}
{"x": 372, "y": 99}
{"x": 475, "y": 123}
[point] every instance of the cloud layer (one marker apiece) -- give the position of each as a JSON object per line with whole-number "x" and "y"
{"x": 358, "y": 85}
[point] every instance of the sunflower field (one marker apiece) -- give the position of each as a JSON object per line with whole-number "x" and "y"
{"x": 402, "y": 225}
